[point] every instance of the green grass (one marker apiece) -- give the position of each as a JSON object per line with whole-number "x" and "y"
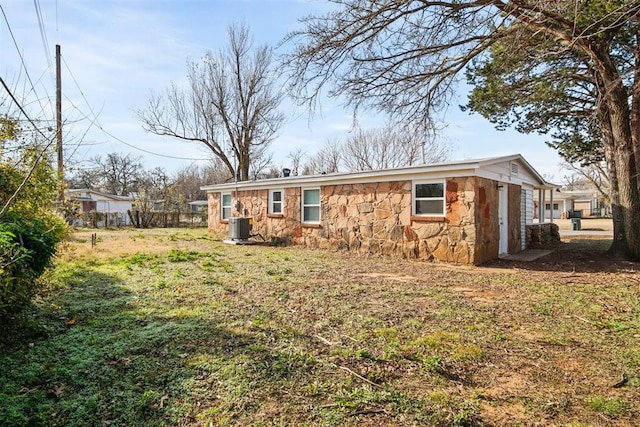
{"x": 176, "y": 329}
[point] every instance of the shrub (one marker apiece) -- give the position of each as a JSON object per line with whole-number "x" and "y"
{"x": 27, "y": 247}
{"x": 29, "y": 230}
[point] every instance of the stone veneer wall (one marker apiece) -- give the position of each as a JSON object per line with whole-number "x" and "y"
{"x": 543, "y": 236}
{"x": 375, "y": 218}
{"x": 214, "y": 224}
{"x": 486, "y": 219}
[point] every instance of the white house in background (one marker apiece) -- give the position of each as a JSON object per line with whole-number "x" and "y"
{"x": 198, "y": 206}
{"x": 567, "y": 204}
{"x": 114, "y": 207}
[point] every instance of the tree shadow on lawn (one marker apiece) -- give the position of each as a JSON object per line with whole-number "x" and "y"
{"x": 94, "y": 353}
{"x": 584, "y": 254}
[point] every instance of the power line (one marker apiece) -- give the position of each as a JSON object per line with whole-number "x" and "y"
{"x": 151, "y": 152}
{"x": 43, "y": 33}
{"x": 21, "y": 108}
{"x": 95, "y": 122}
{"x": 24, "y": 65}
{"x": 36, "y": 160}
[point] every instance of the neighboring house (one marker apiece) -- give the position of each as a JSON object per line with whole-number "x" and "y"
{"x": 198, "y": 206}
{"x": 574, "y": 203}
{"x": 467, "y": 212}
{"x": 113, "y": 207}
{"x": 158, "y": 205}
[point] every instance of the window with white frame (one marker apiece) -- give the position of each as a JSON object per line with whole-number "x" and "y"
{"x": 225, "y": 206}
{"x": 276, "y": 201}
{"x": 311, "y": 205}
{"x": 428, "y": 198}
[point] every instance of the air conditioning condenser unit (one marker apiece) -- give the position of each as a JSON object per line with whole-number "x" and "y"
{"x": 239, "y": 228}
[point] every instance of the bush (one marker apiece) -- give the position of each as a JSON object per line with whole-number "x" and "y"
{"x": 27, "y": 247}
{"x": 29, "y": 230}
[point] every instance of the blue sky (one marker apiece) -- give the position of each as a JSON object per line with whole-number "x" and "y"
{"x": 116, "y": 52}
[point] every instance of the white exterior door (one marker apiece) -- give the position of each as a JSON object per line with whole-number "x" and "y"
{"x": 503, "y": 209}
{"x": 526, "y": 214}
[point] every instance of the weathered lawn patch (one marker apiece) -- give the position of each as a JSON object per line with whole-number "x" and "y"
{"x": 174, "y": 328}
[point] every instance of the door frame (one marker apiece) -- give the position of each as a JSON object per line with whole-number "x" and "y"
{"x": 503, "y": 218}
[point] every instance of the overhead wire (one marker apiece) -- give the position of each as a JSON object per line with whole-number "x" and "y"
{"x": 36, "y": 160}
{"x": 21, "y": 108}
{"x": 96, "y": 122}
{"x": 22, "y": 61}
{"x": 151, "y": 152}
{"x": 93, "y": 117}
{"x": 43, "y": 35}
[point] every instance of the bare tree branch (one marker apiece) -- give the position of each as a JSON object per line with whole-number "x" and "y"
{"x": 231, "y": 104}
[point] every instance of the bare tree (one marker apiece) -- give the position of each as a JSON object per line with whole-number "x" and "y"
{"x": 231, "y": 104}
{"x": 119, "y": 173}
{"x": 296, "y": 157}
{"x": 85, "y": 178}
{"x": 188, "y": 180}
{"x": 593, "y": 176}
{"x": 269, "y": 171}
{"x": 154, "y": 185}
{"x": 260, "y": 165}
{"x": 390, "y": 147}
{"x": 217, "y": 173}
{"x": 326, "y": 160}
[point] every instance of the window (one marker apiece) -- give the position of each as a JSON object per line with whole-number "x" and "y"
{"x": 428, "y": 198}
{"x": 275, "y": 201}
{"x": 548, "y": 206}
{"x": 311, "y": 205}
{"x": 225, "y": 210}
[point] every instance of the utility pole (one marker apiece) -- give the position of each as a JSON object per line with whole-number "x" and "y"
{"x": 59, "y": 127}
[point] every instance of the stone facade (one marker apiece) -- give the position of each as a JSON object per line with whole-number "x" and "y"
{"x": 376, "y": 218}
{"x": 543, "y": 236}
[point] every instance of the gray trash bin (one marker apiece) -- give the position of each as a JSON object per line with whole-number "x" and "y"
{"x": 575, "y": 223}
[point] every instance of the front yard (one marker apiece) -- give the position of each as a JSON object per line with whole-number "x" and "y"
{"x": 175, "y": 328}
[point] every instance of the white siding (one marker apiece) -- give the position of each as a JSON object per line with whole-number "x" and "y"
{"x": 526, "y": 213}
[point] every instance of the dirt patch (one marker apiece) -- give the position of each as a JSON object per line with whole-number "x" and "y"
{"x": 395, "y": 277}
{"x": 480, "y": 295}
{"x": 574, "y": 254}
{"x": 505, "y": 413}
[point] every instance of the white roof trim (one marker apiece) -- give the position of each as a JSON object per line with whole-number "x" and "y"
{"x": 433, "y": 171}
{"x": 76, "y": 191}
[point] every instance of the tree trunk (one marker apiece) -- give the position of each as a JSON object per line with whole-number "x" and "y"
{"x": 618, "y": 246}
{"x": 243, "y": 164}
{"x": 625, "y": 167}
{"x": 635, "y": 107}
{"x": 615, "y": 116}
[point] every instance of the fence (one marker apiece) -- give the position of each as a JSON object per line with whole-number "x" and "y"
{"x": 140, "y": 219}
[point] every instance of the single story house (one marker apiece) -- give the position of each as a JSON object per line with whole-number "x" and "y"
{"x": 198, "y": 206}
{"x": 467, "y": 212}
{"x": 574, "y": 203}
{"x": 157, "y": 205}
{"x": 112, "y": 206}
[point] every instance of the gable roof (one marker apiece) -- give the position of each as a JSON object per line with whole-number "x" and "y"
{"x": 78, "y": 193}
{"x": 573, "y": 195}
{"x": 484, "y": 167}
